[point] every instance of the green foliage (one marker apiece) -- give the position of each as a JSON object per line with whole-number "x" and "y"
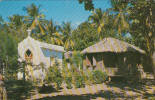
{"x": 88, "y": 4}
{"x": 58, "y": 82}
{"x": 8, "y": 54}
{"x": 67, "y": 76}
{"x": 131, "y": 17}
{"x": 135, "y": 18}
{"x": 73, "y": 76}
{"x": 67, "y": 39}
{"x": 55, "y": 37}
{"x": 88, "y": 36}
{"x": 18, "y": 89}
{"x": 89, "y": 77}
{"x": 8, "y": 45}
{"x": 68, "y": 81}
{"x": 76, "y": 59}
{"x": 79, "y": 81}
{"x": 99, "y": 76}
{"x": 78, "y": 78}
{"x": 54, "y": 76}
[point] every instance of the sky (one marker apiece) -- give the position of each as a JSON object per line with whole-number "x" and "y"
{"x": 57, "y": 10}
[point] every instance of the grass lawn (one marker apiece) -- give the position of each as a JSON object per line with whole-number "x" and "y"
{"x": 17, "y": 90}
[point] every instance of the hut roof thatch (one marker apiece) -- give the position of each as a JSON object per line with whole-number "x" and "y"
{"x": 111, "y": 45}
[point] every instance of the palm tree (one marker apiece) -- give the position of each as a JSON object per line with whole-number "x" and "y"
{"x": 1, "y": 20}
{"x": 120, "y": 17}
{"x": 17, "y": 26}
{"x": 16, "y": 20}
{"x": 35, "y": 18}
{"x": 99, "y": 19}
{"x": 67, "y": 35}
{"x": 52, "y": 31}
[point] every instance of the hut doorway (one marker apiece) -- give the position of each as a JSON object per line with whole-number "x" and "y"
{"x": 28, "y": 56}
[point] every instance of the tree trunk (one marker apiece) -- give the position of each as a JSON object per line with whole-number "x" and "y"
{"x": 153, "y": 63}
{"x": 151, "y": 25}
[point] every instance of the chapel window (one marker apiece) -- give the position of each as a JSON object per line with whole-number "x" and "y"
{"x": 28, "y": 56}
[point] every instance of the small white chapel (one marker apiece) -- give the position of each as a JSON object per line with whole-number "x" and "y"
{"x": 38, "y": 54}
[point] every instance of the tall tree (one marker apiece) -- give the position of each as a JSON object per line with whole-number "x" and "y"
{"x": 102, "y": 21}
{"x": 35, "y": 17}
{"x": 84, "y": 36}
{"x": 121, "y": 21}
{"x": 142, "y": 27}
{"x": 88, "y": 4}
{"x": 17, "y": 26}
{"x": 8, "y": 53}
{"x": 52, "y": 32}
{"x": 67, "y": 35}
{"x": 97, "y": 18}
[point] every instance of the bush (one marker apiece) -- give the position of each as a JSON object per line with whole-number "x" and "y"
{"x": 54, "y": 75}
{"x": 58, "y": 82}
{"x": 79, "y": 81}
{"x": 67, "y": 76}
{"x": 89, "y": 77}
{"x": 99, "y": 76}
{"x": 68, "y": 81}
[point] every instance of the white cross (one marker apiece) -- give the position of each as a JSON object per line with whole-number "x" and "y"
{"x": 29, "y": 32}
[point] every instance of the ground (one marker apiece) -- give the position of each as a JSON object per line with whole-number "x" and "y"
{"x": 113, "y": 90}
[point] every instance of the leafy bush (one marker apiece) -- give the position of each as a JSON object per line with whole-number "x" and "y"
{"x": 8, "y": 55}
{"x": 54, "y": 75}
{"x": 68, "y": 81}
{"x": 89, "y": 77}
{"x": 58, "y": 81}
{"x": 67, "y": 76}
{"x": 79, "y": 81}
{"x": 99, "y": 76}
{"x": 76, "y": 59}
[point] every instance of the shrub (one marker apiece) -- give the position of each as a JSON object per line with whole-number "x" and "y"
{"x": 67, "y": 76}
{"x": 57, "y": 77}
{"x": 68, "y": 81}
{"x": 54, "y": 75}
{"x": 99, "y": 76}
{"x": 89, "y": 77}
{"x": 76, "y": 59}
{"x": 79, "y": 81}
{"x": 58, "y": 81}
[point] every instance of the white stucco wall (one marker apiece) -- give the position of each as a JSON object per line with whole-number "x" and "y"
{"x": 38, "y": 56}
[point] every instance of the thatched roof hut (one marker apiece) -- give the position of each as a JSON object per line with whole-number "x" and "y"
{"x": 113, "y": 56}
{"x": 111, "y": 45}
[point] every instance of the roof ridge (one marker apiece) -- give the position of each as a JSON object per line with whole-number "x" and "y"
{"x": 121, "y": 43}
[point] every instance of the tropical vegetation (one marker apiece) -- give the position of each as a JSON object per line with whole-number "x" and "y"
{"x": 128, "y": 20}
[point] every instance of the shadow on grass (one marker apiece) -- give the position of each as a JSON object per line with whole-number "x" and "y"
{"x": 135, "y": 87}
{"x": 138, "y": 87}
{"x": 102, "y": 94}
{"x": 46, "y": 89}
{"x": 18, "y": 89}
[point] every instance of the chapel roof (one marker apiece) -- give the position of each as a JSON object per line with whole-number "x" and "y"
{"x": 43, "y": 44}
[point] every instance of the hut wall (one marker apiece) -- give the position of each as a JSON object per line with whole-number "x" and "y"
{"x": 118, "y": 64}
{"x": 99, "y": 61}
{"x": 110, "y": 63}
{"x": 87, "y": 62}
